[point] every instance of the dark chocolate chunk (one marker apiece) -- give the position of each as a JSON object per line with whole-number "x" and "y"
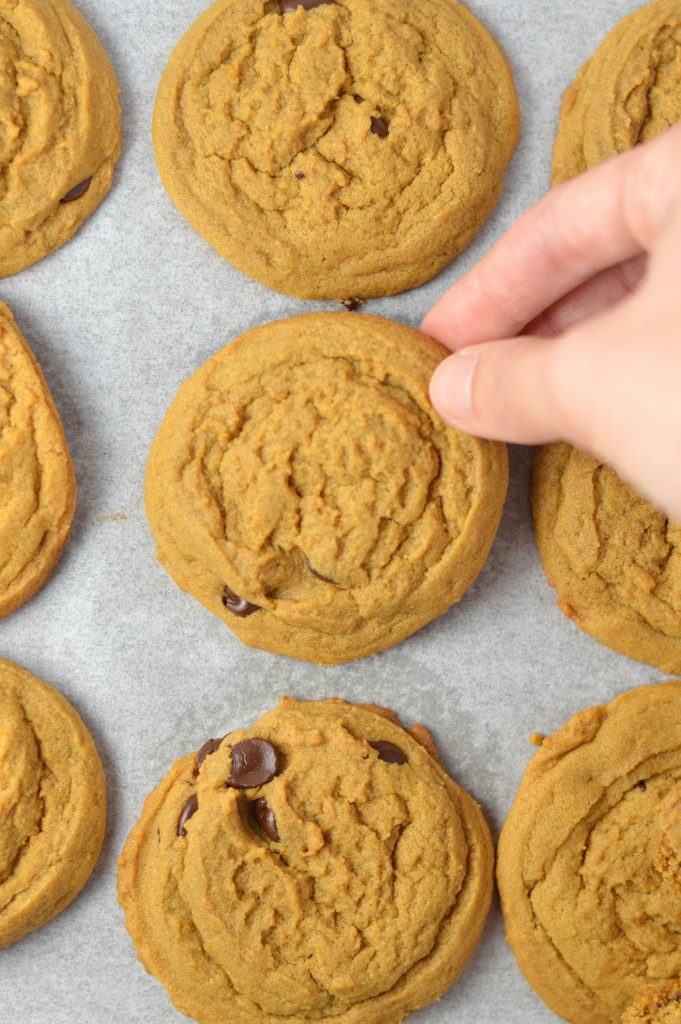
{"x": 208, "y": 748}
{"x": 238, "y": 605}
{"x": 318, "y": 575}
{"x": 642, "y": 786}
{"x": 299, "y": 175}
{"x": 190, "y": 808}
{"x": 77, "y": 191}
{"x": 389, "y": 752}
{"x": 264, "y": 815}
{"x": 254, "y": 762}
{"x": 290, "y": 5}
{"x": 379, "y": 127}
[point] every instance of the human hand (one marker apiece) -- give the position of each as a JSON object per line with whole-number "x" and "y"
{"x": 594, "y": 271}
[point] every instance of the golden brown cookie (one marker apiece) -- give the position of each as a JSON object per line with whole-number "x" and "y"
{"x": 60, "y": 120}
{"x": 302, "y": 488}
{"x": 592, "y": 912}
{"x": 658, "y": 1006}
{"x": 336, "y": 150}
{"x": 318, "y": 866}
{"x": 37, "y": 481}
{"x": 627, "y": 93}
{"x": 52, "y": 803}
{"x": 613, "y": 559}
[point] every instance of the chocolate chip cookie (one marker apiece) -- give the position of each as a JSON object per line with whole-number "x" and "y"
{"x": 336, "y": 150}
{"x": 629, "y": 91}
{"x": 614, "y": 560}
{"x": 52, "y": 803}
{"x": 588, "y": 858}
{"x": 37, "y": 483}
{"x": 61, "y": 134}
{"x": 658, "y": 1006}
{"x": 302, "y": 488}
{"x": 318, "y": 866}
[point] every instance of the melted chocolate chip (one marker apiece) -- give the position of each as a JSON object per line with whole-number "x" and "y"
{"x": 389, "y": 752}
{"x": 190, "y": 808}
{"x": 379, "y": 127}
{"x": 76, "y": 192}
{"x": 299, "y": 175}
{"x": 208, "y": 748}
{"x": 642, "y": 786}
{"x": 318, "y": 575}
{"x": 290, "y": 5}
{"x": 238, "y": 605}
{"x": 254, "y": 762}
{"x": 264, "y": 815}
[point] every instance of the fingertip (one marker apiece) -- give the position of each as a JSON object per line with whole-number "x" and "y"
{"x": 500, "y": 390}
{"x": 431, "y": 324}
{"x": 425, "y": 325}
{"x": 451, "y": 388}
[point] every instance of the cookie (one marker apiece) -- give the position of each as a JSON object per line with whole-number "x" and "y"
{"x": 52, "y": 803}
{"x": 302, "y": 488}
{"x": 590, "y": 896}
{"x": 37, "y": 481}
{"x": 613, "y": 559}
{"x": 627, "y": 93}
{"x": 318, "y": 866}
{"x": 657, "y": 1006}
{"x": 336, "y": 150}
{"x": 61, "y": 134}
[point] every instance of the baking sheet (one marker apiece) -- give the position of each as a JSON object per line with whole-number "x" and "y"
{"x": 118, "y": 318}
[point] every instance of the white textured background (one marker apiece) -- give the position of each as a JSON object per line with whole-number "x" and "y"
{"x": 118, "y": 318}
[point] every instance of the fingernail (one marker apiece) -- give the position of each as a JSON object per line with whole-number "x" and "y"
{"x": 451, "y": 388}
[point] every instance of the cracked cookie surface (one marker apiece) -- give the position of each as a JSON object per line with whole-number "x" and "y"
{"x": 37, "y": 480}
{"x": 302, "y": 488}
{"x": 591, "y": 899}
{"x": 613, "y": 559}
{"x": 657, "y": 1006}
{"x": 628, "y": 92}
{"x": 346, "y": 151}
{"x": 52, "y": 803}
{"x": 60, "y": 121}
{"x": 361, "y": 899}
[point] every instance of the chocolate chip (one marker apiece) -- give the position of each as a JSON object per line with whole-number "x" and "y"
{"x": 238, "y": 605}
{"x": 264, "y": 815}
{"x": 254, "y": 762}
{"x": 352, "y": 304}
{"x": 318, "y": 575}
{"x": 190, "y": 808}
{"x": 290, "y": 5}
{"x": 77, "y": 191}
{"x": 379, "y": 127}
{"x": 642, "y": 786}
{"x": 358, "y": 99}
{"x": 299, "y": 175}
{"x": 389, "y": 752}
{"x": 674, "y": 999}
{"x": 208, "y": 748}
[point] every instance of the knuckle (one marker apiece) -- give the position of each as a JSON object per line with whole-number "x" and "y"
{"x": 568, "y": 381}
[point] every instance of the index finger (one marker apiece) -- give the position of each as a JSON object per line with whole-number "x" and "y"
{"x": 608, "y": 215}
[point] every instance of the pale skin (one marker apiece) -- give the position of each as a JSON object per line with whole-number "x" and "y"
{"x": 570, "y": 328}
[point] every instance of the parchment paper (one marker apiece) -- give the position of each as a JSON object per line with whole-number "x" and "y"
{"x": 118, "y": 318}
